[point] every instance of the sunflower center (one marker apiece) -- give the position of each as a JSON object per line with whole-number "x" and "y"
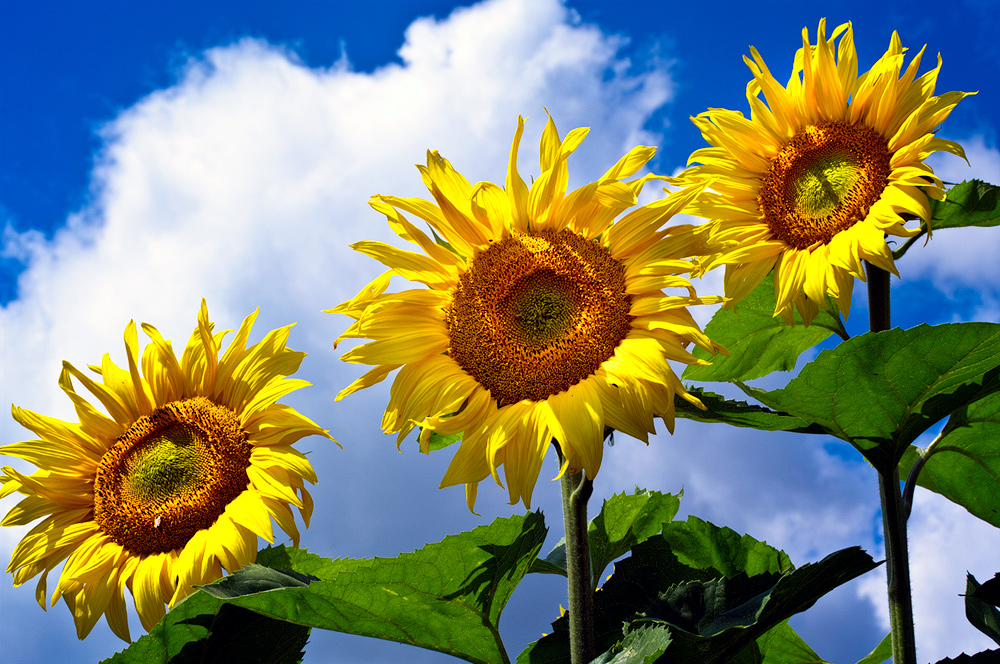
{"x": 171, "y": 474}
{"x": 542, "y": 306}
{"x": 537, "y": 313}
{"x": 824, "y": 181}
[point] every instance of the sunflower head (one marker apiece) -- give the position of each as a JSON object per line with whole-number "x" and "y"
{"x": 825, "y": 168}
{"x": 174, "y": 484}
{"x": 542, "y": 317}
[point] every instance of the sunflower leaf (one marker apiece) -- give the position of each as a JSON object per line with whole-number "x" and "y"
{"x": 758, "y": 342}
{"x": 989, "y": 592}
{"x": 713, "y": 621}
{"x": 446, "y": 596}
{"x": 624, "y": 521}
{"x": 880, "y": 391}
{"x": 881, "y": 653}
{"x": 782, "y": 645}
{"x": 741, "y": 414}
{"x": 982, "y": 613}
{"x": 969, "y": 203}
{"x": 641, "y": 646}
{"x": 963, "y": 465}
{"x": 254, "y": 579}
{"x": 205, "y": 629}
{"x": 686, "y": 551}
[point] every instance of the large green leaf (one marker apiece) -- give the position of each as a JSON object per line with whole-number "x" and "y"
{"x": 981, "y": 609}
{"x": 640, "y": 646}
{"x": 255, "y": 578}
{"x": 623, "y": 522}
{"x": 204, "y": 630}
{"x": 446, "y": 596}
{"x": 969, "y": 203}
{"x": 781, "y": 645}
{"x": 741, "y": 414}
{"x": 881, "y": 653}
{"x": 694, "y": 551}
{"x": 701, "y": 545}
{"x": 963, "y": 465}
{"x": 712, "y": 621}
{"x": 757, "y": 341}
{"x": 880, "y": 391}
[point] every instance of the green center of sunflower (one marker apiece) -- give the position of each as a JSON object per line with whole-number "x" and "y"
{"x": 171, "y": 474}
{"x": 823, "y": 181}
{"x": 542, "y": 307}
{"x": 536, "y": 313}
{"x": 170, "y": 463}
{"x": 821, "y": 187}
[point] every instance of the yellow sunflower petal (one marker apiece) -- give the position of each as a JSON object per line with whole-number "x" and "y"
{"x": 153, "y": 497}
{"x": 550, "y": 302}
{"x": 821, "y": 159}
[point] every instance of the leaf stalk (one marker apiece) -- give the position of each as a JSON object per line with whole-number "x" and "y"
{"x": 911, "y": 478}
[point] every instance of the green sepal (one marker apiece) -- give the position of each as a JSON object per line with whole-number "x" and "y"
{"x": 438, "y": 441}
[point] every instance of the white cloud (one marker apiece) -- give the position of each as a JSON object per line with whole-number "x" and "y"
{"x": 940, "y": 537}
{"x": 244, "y": 183}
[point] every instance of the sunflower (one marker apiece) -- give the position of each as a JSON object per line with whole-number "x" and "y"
{"x": 823, "y": 170}
{"x": 542, "y": 319}
{"x": 177, "y": 484}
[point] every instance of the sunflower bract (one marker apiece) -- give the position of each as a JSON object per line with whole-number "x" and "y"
{"x": 823, "y": 170}
{"x": 190, "y": 465}
{"x": 541, "y": 319}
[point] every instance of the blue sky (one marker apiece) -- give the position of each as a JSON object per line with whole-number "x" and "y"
{"x": 126, "y": 132}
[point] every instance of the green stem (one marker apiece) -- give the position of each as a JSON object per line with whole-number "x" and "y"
{"x": 878, "y": 298}
{"x": 904, "y": 648}
{"x": 576, "y": 490}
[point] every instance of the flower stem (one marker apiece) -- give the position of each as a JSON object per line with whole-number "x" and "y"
{"x": 576, "y": 490}
{"x": 904, "y": 648}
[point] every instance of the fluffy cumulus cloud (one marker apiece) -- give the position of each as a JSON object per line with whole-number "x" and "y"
{"x": 938, "y": 566}
{"x": 245, "y": 182}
